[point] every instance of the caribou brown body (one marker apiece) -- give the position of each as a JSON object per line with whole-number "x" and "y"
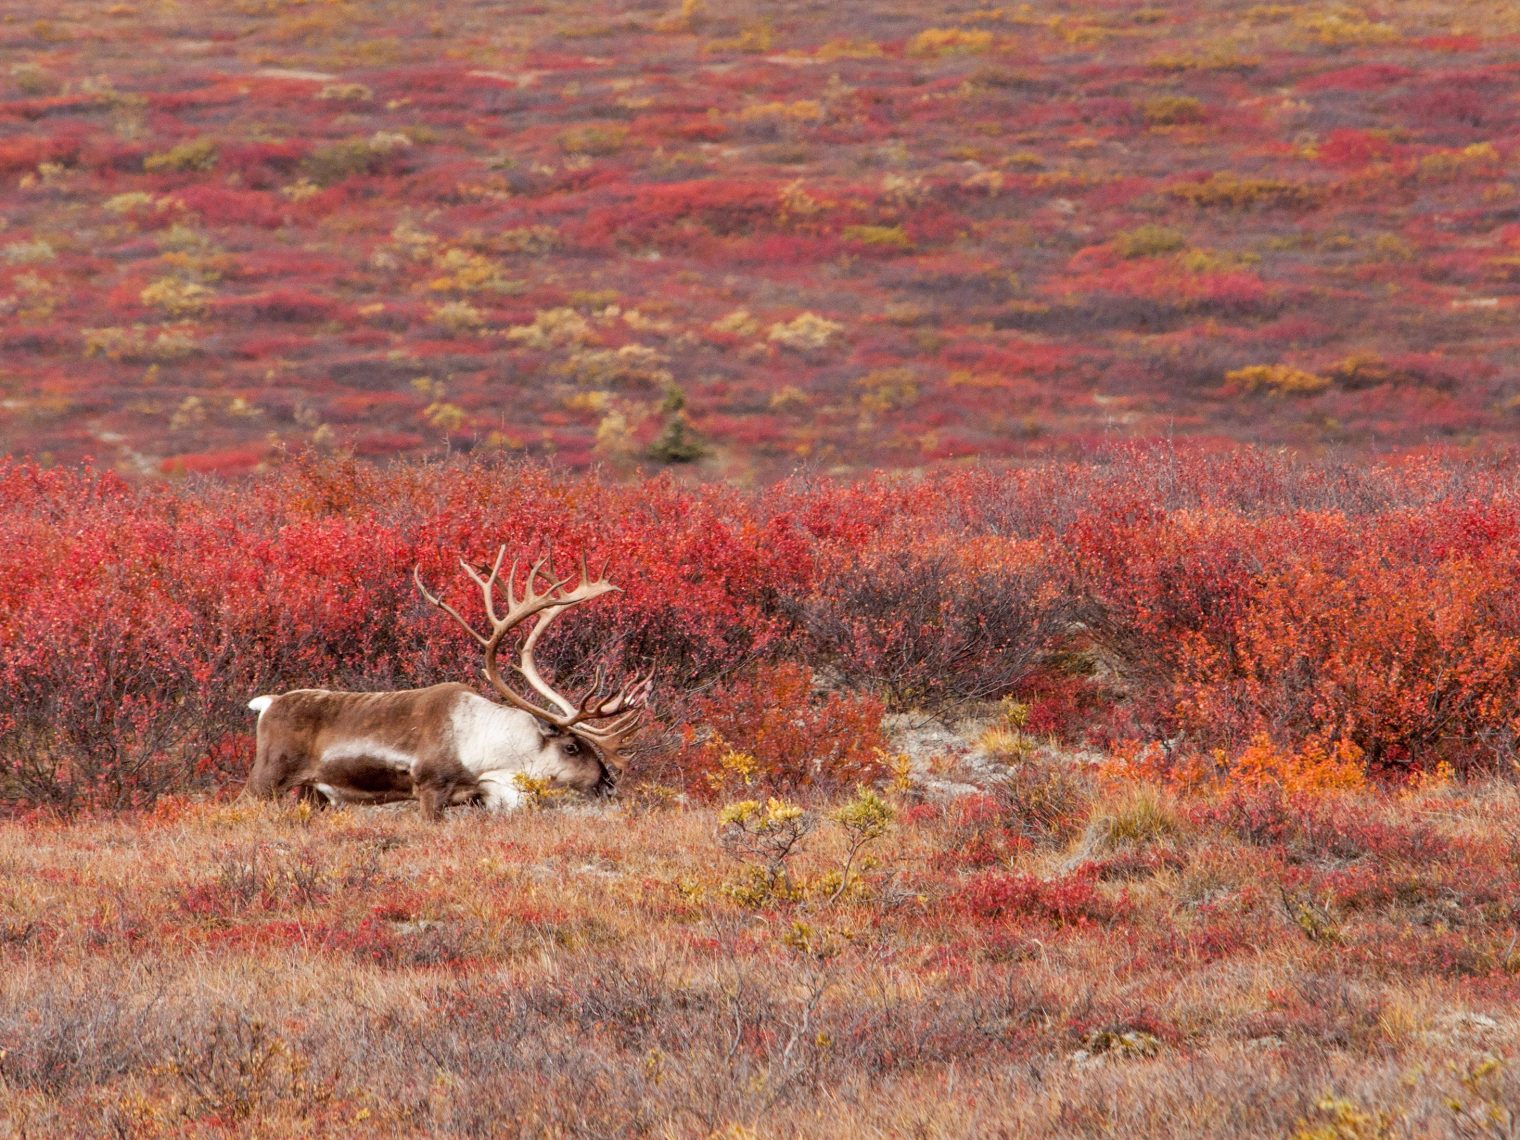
{"x": 446, "y": 744}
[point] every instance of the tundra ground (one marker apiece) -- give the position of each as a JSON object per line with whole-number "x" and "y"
{"x": 1061, "y": 953}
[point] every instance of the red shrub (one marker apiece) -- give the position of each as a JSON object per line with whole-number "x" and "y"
{"x": 1279, "y": 625}
{"x": 981, "y": 834}
{"x": 1075, "y": 900}
{"x": 926, "y": 619}
{"x": 222, "y": 205}
{"x": 770, "y": 730}
{"x": 1406, "y": 662}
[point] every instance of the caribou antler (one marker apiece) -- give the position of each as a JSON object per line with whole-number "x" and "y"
{"x": 547, "y": 602}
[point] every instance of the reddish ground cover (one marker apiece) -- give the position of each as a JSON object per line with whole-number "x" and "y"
{"x": 1260, "y": 964}
{"x": 852, "y": 235}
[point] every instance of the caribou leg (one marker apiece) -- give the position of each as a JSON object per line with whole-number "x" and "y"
{"x": 433, "y": 797}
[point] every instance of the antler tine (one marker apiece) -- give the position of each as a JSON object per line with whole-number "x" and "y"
{"x": 609, "y": 738}
{"x": 427, "y": 594}
{"x": 512, "y": 582}
{"x": 531, "y": 593}
{"x": 434, "y": 600}
{"x": 544, "y": 595}
{"x": 624, "y": 724}
{"x": 630, "y": 697}
{"x": 546, "y": 560}
{"x": 488, "y": 585}
{"x": 526, "y": 668}
{"x": 527, "y": 586}
{"x": 644, "y": 687}
{"x": 592, "y": 690}
{"x": 601, "y": 573}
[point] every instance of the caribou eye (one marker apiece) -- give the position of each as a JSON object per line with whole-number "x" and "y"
{"x": 572, "y": 748}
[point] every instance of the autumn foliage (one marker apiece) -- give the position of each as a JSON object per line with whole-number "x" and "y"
{"x": 859, "y": 234}
{"x": 1058, "y": 465}
{"x": 1197, "y": 615}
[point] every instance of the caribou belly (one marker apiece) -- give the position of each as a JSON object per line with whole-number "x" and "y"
{"x": 358, "y": 774}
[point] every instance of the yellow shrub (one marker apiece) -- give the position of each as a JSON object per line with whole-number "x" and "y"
{"x": 1220, "y": 57}
{"x": 848, "y": 49}
{"x": 141, "y": 342}
{"x": 1447, "y": 164}
{"x": 802, "y": 111}
{"x": 36, "y": 297}
{"x": 1338, "y": 1118}
{"x": 177, "y": 298}
{"x": 1365, "y": 370}
{"x": 132, "y": 201}
{"x": 755, "y": 39}
{"x": 1235, "y": 192}
{"x": 196, "y": 154}
{"x": 461, "y": 271}
{"x": 806, "y": 333}
{"x": 1148, "y": 241}
{"x": 444, "y": 416}
{"x": 1344, "y": 28}
{"x": 950, "y": 41}
{"x": 594, "y": 140}
{"x": 527, "y": 239}
{"x": 887, "y": 389}
{"x": 553, "y": 328}
{"x": 346, "y": 92}
{"x": 883, "y": 237}
{"x": 797, "y": 203}
{"x": 739, "y": 322}
{"x": 1170, "y": 110}
{"x": 458, "y": 316}
{"x": 537, "y": 793}
{"x": 1278, "y": 379}
{"x": 630, "y": 365}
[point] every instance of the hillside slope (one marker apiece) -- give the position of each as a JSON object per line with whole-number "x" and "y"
{"x": 850, "y": 234}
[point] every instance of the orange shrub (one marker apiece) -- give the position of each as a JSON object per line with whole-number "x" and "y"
{"x": 1394, "y": 662}
{"x": 1315, "y": 768}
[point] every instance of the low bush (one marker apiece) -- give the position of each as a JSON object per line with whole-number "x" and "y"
{"x": 1251, "y": 618}
{"x": 769, "y": 729}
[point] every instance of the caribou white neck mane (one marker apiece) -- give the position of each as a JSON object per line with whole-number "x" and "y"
{"x": 446, "y": 744}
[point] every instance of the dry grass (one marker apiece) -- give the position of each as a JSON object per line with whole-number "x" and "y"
{"x": 233, "y": 970}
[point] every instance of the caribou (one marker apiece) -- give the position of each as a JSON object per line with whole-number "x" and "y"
{"x": 445, "y": 744}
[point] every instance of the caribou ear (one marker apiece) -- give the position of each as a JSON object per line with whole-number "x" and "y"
{"x": 545, "y": 729}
